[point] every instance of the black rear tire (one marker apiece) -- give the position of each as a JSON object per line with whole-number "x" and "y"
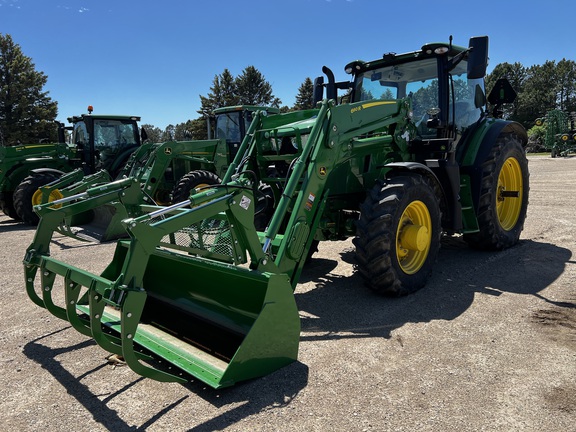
{"x": 388, "y": 262}
{"x": 191, "y": 181}
{"x": 24, "y": 194}
{"x": 501, "y": 213}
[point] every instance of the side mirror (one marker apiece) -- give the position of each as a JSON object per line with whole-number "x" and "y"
{"x": 143, "y": 134}
{"x": 318, "y": 91}
{"x": 478, "y": 57}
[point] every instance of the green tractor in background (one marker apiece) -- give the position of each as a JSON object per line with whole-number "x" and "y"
{"x": 167, "y": 172}
{"x": 560, "y": 138}
{"x": 16, "y": 162}
{"x": 206, "y": 286}
{"x": 97, "y": 142}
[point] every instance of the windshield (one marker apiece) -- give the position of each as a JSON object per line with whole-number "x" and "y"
{"x": 107, "y": 133}
{"x": 228, "y": 127}
{"x": 114, "y": 133}
{"x": 418, "y": 80}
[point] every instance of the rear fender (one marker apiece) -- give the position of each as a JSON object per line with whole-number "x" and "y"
{"x": 475, "y": 150}
{"x": 477, "y": 146}
{"x": 120, "y": 160}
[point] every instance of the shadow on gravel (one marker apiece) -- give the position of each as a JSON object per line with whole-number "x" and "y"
{"x": 268, "y": 393}
{"x": 341, "y": 307}
{"x": 251, "y": 397}
{"x": 10, "y": 225}
{"x": 109, "y": 418}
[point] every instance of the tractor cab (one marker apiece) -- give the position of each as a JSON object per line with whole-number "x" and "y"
{"x": 444, "y": 82}
{"x": 233, "y": 122}
{"x": 105, "y": 141}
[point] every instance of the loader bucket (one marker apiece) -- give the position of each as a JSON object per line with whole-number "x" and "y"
{"x": 161, "y": 300}
{"x": 216, "y": 323}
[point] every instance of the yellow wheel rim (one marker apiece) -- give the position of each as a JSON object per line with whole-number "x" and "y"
{"x": 201, "y": 186}
{"x": 413, "y": 237}
{"x": 509, "y": 194}
{"x": 54, "y": 195}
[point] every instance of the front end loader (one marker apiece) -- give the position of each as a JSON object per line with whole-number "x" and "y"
{"x": 166, "y": 172}
{"x": 206, "y": 285}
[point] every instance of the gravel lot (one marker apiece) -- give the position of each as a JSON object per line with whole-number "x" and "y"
{"x": 488, "y": 345}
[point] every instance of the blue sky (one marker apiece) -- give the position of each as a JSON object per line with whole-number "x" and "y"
{"x": 154, "y": 59}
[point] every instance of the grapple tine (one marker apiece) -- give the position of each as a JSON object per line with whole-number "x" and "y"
{"x": 131, "y": 313}
{"x": 30, "y": 272}
{"x": 72, "y": 294}
{"x": 107, "y": 342}
{"x": 47, "y": 281}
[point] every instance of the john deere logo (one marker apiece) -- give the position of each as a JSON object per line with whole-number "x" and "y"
{"x": 168, "y": 151}
{"x": 322, "y": 171}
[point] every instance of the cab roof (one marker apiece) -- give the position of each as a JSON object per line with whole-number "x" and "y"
{"x": 428, "y": 50}
{"x": 75, "y": 119}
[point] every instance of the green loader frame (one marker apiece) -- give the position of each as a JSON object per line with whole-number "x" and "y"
{"x": 206, "y": 285}
{"x": 166, "y": 171}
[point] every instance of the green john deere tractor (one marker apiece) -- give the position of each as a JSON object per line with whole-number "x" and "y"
{"x": 167, "y": 172}
{"x": 16, "y": 162}
{"x": 206, "y": 285}
{"x": 98, "y": 142}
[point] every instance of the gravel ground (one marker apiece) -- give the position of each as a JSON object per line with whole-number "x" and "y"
{"x": 488, "y": 345}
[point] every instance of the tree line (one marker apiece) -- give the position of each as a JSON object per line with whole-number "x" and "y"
{"x": 27, "y": 113}
{"x": 248, "y": 88}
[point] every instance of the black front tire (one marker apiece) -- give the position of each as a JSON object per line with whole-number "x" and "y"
{"x": 503, "y": 196}
{"x": 387, "y": 262}
{"x": 24, "y": 196}
{"x": 191, "y": 181}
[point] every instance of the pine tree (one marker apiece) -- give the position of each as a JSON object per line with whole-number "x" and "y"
{"x": 222, "y": 93}
{"x": 305, "y": 96}
{"x": 27, "y": 113}
{"x": 253, "y": 89}
{"x": 198, "y": 128}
